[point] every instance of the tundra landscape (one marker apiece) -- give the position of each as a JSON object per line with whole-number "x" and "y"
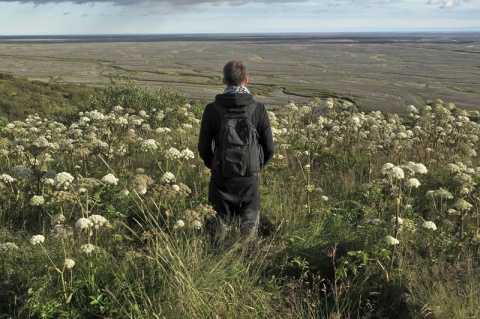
{"x": 376, "y": 71}
{"x": 370, "y": 205}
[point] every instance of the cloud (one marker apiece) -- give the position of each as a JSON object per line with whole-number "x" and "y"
{"x": 448, "y": 4}
{"x": 153, "y": 2}
{"x": 371, "y": 1}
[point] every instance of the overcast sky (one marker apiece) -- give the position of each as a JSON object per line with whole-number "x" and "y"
{"x": 52, "y": 17}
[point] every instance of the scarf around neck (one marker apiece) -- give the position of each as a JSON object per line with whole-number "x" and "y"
{"x": 236, "y": 89}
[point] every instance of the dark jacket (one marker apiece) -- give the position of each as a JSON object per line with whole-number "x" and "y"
{"x": 211, "y": 125}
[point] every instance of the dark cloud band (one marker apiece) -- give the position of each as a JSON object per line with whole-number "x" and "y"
{"x": 150, "y": 2}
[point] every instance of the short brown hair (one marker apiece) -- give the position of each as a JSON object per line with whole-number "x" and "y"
{"x": 234, "y": 73}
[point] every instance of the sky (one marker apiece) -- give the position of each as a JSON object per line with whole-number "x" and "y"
{"x": 61, "y": 17}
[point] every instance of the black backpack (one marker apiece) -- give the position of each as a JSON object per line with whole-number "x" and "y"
{"x": 237, "y": 152}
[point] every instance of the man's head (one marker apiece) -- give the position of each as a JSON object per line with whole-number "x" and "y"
{"x": 235, "y": 73}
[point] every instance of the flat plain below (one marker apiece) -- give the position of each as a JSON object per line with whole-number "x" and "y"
{"x": 384, "y": 72}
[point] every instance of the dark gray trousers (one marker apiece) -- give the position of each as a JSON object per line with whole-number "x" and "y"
{"x": 231, "y": 198}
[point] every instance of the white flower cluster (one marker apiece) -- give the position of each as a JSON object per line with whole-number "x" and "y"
{"x": 429, "y": 225}
{"x": 83, "y": 223}
{"x": 63, "y": 180}
{"x": 69, "y": 263}
{"x": 37, "y": 239}
{"x": 167, "y": 178}
{"x": 187, "y": 154}
{"x": 462, "y": 205}
{"x": 149, "y": 145}
{"x": 412, "y": 183}
{"x": 7, "y": 178}
{"x": 8, "y": 246}
{"x": 95, "y": 115}
{"x": 395, "y": 220}
{"x": 196, "y": 224}
{"x": 418, "y": 168}
{"x": 179, "y": 224}
{"x": 291, "y": 105}
{"x": 37, "y": 200}
{"x": 440, "y": 193}
{"x": 396, "y": 173}
{"x": 87, "y": 248}
{"x": 124, "y": 193}
{"x": 97, "y": 220}
{"x": 390, "y": 240}
{"x": 173, "y": 153}
{"x": 162, "y": 130}
{"x": 110, "y": 179}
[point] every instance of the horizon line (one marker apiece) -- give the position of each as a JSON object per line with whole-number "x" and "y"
{"x": 245, "y": 33}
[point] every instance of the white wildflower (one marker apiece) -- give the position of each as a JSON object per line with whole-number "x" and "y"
{"x": 168, "y": 177}
{"x": 187, "y": 154}
{"x": 197, "y": 224}
{"x": 172, "y": 153}
{"x": 429, "y": 225}
{"x": 452, "y": 211}
{"x": 87, "y": 248}
{"x": 412, "y": 183}
{"x": 163, "y": 130}
{"x": 396, "y": 173}
{"x": 412, "y": 109}
{"x": 7, "y": 178}
{"x": 69, "y": 263}
{"x": 63, "y": 180}
{"x": 118, "y": 109}
{"x": 329, "y": 103}
{"x": 83, "y": 223}
{"x": 97, "y": 220}
{"x": 391, "y": 240}
{"x": 176, "y": 187}
{"x": 452, "y": 168}
{"x": 149, "y": 145}
{"x": 386, "y": 168}
{"x": 110, "y": 179}
{"x": 7, "y": 247}
{"x": 37, "y": 239}
{"x": 462, "y": 205}
{"x": 160, "y": 116}
{"x": 419, "y": 168}
{"x": 179, "y": 224}
{"x": 394, "y": 220}
{"x": 123, "y": 193}
{"x": 37, "y": 200}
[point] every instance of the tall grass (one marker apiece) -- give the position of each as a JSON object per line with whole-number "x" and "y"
{"x": 364, "y": 215}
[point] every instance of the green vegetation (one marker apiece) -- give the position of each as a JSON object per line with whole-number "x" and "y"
{"x": 20, "y": 97}
{"x": 363, "y": 215}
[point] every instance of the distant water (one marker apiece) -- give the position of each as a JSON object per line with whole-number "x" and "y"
{"x": 374, "y": 37}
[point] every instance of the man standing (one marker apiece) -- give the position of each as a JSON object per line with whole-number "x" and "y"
{"x": 232, "y": 195}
